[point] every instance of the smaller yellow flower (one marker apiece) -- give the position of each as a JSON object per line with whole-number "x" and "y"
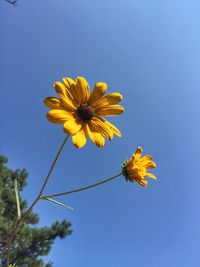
{"x": 135, "y": 169}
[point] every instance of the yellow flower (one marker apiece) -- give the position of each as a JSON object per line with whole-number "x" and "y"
{"x": 135, "y": 169}
{"x": 80, "y": 111}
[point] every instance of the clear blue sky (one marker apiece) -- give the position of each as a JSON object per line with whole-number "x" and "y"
{"x": 150, "y": 52}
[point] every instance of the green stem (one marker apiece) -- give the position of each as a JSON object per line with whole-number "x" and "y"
{"x": 47, "y": 178}
{"x": 52, "y": 166}
{"x": 83, "y": 188}
{"x": 17, "y": 199}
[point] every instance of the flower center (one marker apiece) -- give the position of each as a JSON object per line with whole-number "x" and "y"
{"x": 85, "y": 112}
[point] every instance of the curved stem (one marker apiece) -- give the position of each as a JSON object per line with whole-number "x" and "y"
{"x": 47, "y": 177}
{"x": 83, "y": 188}
{"x": 53, "y": 164}
{"x": 20, "y": 220}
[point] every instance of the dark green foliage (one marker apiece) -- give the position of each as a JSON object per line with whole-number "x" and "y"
{"x": 30, "y": 242}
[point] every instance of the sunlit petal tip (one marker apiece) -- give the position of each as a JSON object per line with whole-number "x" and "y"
{"x": 68, "y": 81}
{"x": 78, "y": 145}
{"x": 46, "y": 101}
{"x": 81, "y": 78}
{"x": 58, "y": 85}
{"x": 119, "y": 134}
{"x": 139, "y": 151}
{"x": 135, "y": 169}
{"x": 79, "y": 139}
{"x": 99, "y": 90}
{"x": 152, "y": 164}
{"x": 120, "y": 96}
{"x": 117, "y": 95}
{"x": 100, "y": 145}
{"x": 101, "y": 86}
{"x": 53, "y": 103}
{"x": 150, "y": 175}
{"x": 143, "y": 183}
{"x": 54, "y": 84}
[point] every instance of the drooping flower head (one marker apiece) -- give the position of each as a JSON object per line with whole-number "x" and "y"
{"x": 135, "y": 169}
{"x": 81, "y": 112}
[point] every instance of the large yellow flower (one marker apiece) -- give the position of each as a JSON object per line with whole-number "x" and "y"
{"x": 80, "y": 111}
{"x": 135, "y": 169}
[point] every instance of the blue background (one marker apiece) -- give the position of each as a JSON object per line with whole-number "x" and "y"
{"x": 150, "y": 52}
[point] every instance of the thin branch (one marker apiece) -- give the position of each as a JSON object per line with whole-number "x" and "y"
{"x": 82, "y": 188}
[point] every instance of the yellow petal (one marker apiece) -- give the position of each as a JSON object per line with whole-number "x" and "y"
{"x": 110, "y": 99}
{"x": 138, "y": 153}
{"x": 65, "y": 99}
{"x": 83, "y": 89}
{"x": 98, "y": 91}
{"x": 72, "y": 126}
{"x": 79, "y": 139}
{"x": 102, "y": 128}
{"x": 143, "y": 182}
{"x": 109, "y": 110}
{"x": 96, "y": 137}
{"x": 59, "y": 116}
{"x": 150, "y": 165}
{"x": 53, "y": 103}
{"x": 75, "y": 93}
{"x": 150, "y": 175}
{"x": 146, "y": 158}
{"x": 67, "y": 82}
{"x": 112, "y": 127}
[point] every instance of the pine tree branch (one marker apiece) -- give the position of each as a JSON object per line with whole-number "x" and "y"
{"x": 23, "y": 217}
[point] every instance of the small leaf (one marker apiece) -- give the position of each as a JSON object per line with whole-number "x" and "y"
{"x": 17, "y": 198}
{"x": 57, "y": 202}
